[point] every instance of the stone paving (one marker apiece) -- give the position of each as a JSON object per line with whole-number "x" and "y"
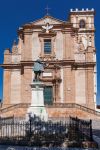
{"x": 34, "y": 148}
{"x": 96, "y": 131}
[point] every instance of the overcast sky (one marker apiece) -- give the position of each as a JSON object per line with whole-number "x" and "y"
{"x": 14, "y": 13}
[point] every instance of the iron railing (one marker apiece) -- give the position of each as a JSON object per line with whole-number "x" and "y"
{"x": 33, "y": 132}
{"x": 80, "y": 130}
{"x": 4, "y": 120}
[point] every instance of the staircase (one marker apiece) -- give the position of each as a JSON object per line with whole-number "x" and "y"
{"x": 61, "y": 108}
{"x": 18, "y": 110}
{"x": 9, "y": 108}
{"x": 74, "y": 105}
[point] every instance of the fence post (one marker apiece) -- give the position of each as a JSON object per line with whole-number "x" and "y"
{"x": 91, "y": 134}
{"x": 12, "y": 126}
{"x": 30, "y": 124}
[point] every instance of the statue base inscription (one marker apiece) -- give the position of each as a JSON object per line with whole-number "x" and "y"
{"x": 37, "y": 107}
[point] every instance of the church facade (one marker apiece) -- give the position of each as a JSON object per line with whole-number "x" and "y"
{"x": 68, "y": 50}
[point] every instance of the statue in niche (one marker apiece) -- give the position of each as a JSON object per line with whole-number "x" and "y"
{"x": 81, "y": 45}
{"x": 76, "y": 45}
{"x": 38, "y": 68}
{"x": 79, "y": 50}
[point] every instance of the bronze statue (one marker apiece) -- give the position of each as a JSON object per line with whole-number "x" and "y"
{"x": 38, "y": 69}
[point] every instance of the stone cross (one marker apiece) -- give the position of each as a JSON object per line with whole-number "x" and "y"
{"x": 47, "y": 9}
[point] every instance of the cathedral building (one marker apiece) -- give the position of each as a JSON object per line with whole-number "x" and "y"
{"x": 67, "y": 48}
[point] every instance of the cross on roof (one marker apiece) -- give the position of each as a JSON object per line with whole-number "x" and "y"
{"x": 47, "y": 9}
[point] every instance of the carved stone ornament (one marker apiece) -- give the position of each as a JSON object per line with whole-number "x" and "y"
{"x": 47, "y": 27}
{"x": 81, "y": 45}
{"x": 14, "y": 48}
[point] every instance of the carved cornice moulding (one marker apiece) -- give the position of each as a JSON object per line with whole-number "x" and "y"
{"x": 60, "y": 63}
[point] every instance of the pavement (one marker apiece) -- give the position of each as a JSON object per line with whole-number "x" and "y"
{"x": 34, "y": 148}
{"x": 96, "y": 131}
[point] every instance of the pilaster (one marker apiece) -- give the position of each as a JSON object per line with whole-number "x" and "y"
{"x": 90, "y": 88}
{"x": 69, "y": 80}
{"x": 26, "y": 79}
{"x": 27, "y": 47}
{"x": 6, "y": 86}
{"x": 68, "y": 46}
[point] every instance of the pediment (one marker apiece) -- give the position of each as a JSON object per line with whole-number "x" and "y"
{"x": 47, "y": 19}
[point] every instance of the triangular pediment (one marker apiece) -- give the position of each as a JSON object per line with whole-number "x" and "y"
{"x": 47, "y": 19}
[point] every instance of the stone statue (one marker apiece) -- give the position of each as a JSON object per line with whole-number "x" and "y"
{"x": 81, "y": 45}
{"x": 38, "y": 68}
{"x": 47, "y": 27}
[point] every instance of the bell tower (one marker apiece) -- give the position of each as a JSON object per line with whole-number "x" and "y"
{"x": 84, "y": 52}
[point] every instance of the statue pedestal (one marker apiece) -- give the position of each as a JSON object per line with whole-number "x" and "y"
{"x": 37, "y": 104}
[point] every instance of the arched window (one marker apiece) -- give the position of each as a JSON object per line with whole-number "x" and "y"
{"x": 82, "y": 24}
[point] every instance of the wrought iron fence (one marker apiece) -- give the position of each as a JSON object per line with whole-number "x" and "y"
{"x": 5, "y": 120}
{"x": 80, "y": 130}
{"x": 35, "y": 132}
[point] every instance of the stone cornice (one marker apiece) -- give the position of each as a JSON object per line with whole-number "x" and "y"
{"x": 69, "y": 30}
{"x": 84, "y": 64}
{"x": 55, "y": 26}
{"x": 28, "y": 28}
{"x": 48, "y": 16}
{"x": 59, "y": 64}
{"x": 86, "y": 31}
{"x": 44, "y": 34}
{"x": 10, "y": 66}
{"x": 82, "y": 12}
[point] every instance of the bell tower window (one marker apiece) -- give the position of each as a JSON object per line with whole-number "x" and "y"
{"x": 47, "y": 46}
{"x": 82, "y": 24}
